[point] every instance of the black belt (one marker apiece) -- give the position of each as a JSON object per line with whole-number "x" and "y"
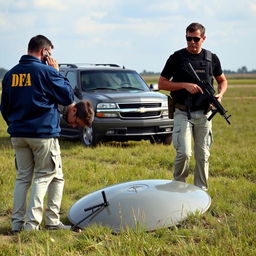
{"x": 184, "y": 108}
{"x": 180, "y": 107}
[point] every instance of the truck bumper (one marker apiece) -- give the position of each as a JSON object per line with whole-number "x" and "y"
{"x": 118, "y": 127}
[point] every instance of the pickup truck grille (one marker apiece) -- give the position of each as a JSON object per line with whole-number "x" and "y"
{"x": 147, "y": 114}
{"x": 140, "y": 110}
{"x": 139, "y": 105}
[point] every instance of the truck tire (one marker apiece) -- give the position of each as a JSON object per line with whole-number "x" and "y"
{"x": 88, "y": 137}
{"x": 165, "y": 139}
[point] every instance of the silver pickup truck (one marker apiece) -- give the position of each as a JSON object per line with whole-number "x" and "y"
{"x": 125, "y": 107}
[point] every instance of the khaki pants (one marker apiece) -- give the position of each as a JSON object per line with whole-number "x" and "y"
{"x": 37, "y": 160}
{"x": 200, "y": 129}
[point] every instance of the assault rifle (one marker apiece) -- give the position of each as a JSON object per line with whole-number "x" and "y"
{"x": 209, "y": 93}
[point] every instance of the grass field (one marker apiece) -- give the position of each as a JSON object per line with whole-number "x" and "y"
{"x": 227, "y": 228}
{"x": 233, "y": 79}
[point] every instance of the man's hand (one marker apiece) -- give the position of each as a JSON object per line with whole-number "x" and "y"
{"x": 167, "y": 85}
{"x": 219, "y": 96}
{"x": 193, "y": 88}
{"x": 52, "y": 62}
{"x": 222, "y": 86}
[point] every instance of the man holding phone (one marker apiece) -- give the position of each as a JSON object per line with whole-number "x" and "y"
{"x": 31, "y": 93}
{"x": 49, "y": 60}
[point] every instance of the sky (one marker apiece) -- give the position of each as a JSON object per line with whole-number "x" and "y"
{"x": 139, "y": 34}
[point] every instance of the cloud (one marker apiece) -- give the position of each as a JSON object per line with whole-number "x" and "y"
{"x": 173, "y": 6}
{"x": 253, "y": 7}
{"x": 21, "y": 21}
{"x": 55, "y": 5}
{"x": 20, "y": 4}
{"x": 165, "y": 6}
{"x": 130, "y": 31}
{"x": 3, "y": 20}
{"x": 131, "y": 26}
{"x": 88, "y": 26}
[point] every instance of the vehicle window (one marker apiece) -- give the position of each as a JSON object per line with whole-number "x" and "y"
{"x": 112, "y": 79}
{"x": 71, "y": 76}
{"x": 135, "y": 79}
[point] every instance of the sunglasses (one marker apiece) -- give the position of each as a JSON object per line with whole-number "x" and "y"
{"x": 194, "y": 38}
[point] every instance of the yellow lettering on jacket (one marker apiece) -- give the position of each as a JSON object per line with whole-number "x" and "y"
{"x": 15, "y": 80}
{"x": 21, "y": 80}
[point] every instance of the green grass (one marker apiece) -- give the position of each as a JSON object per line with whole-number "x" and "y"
{"x": 242, "y": 81}
{"x": 227, "y": 228}
{"x": 237, "y": 79}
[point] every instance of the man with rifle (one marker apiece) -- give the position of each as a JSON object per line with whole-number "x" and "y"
{"x": 192, "y": 104}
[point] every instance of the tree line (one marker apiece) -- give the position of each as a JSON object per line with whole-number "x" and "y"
{"x": 242, "y": 70}
{"x": 2, "y": 73}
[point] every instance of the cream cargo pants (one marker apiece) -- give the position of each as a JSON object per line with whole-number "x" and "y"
{"x": 38, "y": 161}
{"x": 200, "y": 129}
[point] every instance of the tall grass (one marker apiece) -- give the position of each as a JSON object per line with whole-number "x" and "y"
{"x": 227, "y": 228}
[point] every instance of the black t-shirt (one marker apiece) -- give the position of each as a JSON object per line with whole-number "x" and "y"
{"x": 173, "y": 70}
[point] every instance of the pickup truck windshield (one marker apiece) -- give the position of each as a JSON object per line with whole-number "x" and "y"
{"x": 112, "y": 79}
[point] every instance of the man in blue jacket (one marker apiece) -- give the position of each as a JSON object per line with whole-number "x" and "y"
{"x": 31, "y": 92}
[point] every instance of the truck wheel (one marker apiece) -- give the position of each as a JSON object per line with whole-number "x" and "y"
{"x": 88, "y": 138}
{"x": 165, "y": 139}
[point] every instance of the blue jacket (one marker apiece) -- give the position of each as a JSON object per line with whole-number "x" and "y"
{"x": 31, "y": 92}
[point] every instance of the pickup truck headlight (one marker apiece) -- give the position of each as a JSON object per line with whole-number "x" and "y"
{"x": 106, "y": 105}
{"x": 165, "y": 106}
{"x": 106, "y": 110}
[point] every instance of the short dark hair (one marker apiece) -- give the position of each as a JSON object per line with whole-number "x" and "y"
{"x": 85, "y": 112}
{"x": 38, "y": 42}
{"x": 196, "y": 26}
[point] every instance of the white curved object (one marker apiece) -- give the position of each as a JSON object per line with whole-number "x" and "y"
{"x": 151, "y": 204}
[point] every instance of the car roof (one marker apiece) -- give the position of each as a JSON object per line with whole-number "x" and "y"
{"x": 91, "y": 66}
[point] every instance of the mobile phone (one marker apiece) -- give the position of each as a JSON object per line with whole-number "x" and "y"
{"x": 45, "y": 56}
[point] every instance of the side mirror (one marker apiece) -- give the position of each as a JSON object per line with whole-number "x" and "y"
{"x": 153, "y": 87}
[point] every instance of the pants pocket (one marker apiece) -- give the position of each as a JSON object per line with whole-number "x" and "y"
{"x": 56, "y": 158}
{"x": 175, "y": 136}
{"x": 210, "y": 139}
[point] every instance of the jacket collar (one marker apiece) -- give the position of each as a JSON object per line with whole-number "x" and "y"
{"x": 29, "y": 58}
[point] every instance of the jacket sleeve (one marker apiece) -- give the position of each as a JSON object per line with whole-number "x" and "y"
{"x": 4, "y": 101}
{"x": 59, "y": 88}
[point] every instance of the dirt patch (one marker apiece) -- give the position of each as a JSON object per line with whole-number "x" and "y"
{"x": 4, "y": 234}
{"x": 3, "y": 219}
{"x": 6, "y": 238}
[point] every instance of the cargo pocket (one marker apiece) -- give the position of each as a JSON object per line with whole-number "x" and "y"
{"x": 56, "y": 158}
{"x": 175, "y": 136}
{"x": 210, "y": 139}
{"x": 15, "y": 160}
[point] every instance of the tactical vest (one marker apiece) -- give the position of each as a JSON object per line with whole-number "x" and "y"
{"x": 203, "y": 67}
